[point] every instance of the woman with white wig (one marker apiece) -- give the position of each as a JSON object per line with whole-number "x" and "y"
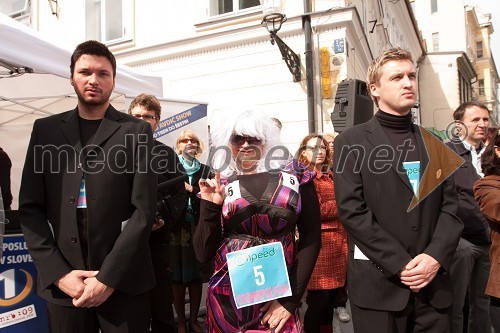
{"x": 269, "y": 155}
{"x": 248, "y": 215}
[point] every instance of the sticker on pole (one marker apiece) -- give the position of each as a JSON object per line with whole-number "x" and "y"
{"x": 258, "y": 274}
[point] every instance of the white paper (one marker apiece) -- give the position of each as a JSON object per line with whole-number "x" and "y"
{"x": 358, "y": 254}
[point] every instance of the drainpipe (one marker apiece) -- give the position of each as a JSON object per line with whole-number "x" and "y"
{"x": 306, "y": 26}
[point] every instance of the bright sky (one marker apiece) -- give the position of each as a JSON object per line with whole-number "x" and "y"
{"x": 493, "y": 7}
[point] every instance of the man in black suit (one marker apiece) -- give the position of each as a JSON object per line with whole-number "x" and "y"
{"x": 87, "y": 203}
{"x": 398, "y": 205}
{"x": 172, "y": 202}
{"x": 470, "y": 267}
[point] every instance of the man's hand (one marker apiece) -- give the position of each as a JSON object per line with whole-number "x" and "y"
{"x": 275, "y": 315}
{"x": 212, "y": 190}
{"x": 72, "y": 283}
{"x": 188, "y": 187}
{"x": 95, "y": 294}
{"x": 158, "y": 223}
{"x": 419, "y": 272}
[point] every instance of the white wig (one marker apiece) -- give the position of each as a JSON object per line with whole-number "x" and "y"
{"x": 254, "y": 123}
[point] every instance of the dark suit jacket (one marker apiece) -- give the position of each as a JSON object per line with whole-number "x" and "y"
{"x": 5, "y": 166}
{"x": 476, "y": 227}
{"x": 120, "y": 191}
{"x": 373, "y": 200}
{"x": 173, "y": 198}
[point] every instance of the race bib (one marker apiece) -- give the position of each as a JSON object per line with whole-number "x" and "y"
{"x": 232, "y": 191}
{"x": 290, "y": 181}
{"x": 413, "y": 173}
{"x": 258, "y": 274}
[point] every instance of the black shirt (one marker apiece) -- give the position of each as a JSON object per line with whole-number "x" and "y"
{"x": 88, "y": 129}
{"x": 400, "y": 131}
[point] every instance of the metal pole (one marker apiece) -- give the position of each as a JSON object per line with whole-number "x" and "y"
{"x": 306, "y": 26}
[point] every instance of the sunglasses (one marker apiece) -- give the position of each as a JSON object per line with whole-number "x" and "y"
{"x": 239, "y": 140}
{"x": 188, "y": 140}
{"x": 144, "y": 116}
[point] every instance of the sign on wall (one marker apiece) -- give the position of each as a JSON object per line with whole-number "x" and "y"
{"x": 338, "y": 45}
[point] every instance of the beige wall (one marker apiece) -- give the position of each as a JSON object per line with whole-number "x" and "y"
{"x": 439, "y": 90}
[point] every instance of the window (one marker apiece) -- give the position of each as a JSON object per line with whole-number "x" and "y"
{"x": 481, "y": 87}
{"x": 479, "y": 49}
{"x": 465, "y": 90}
{"x": 14, "y": 8}
{"x": 108, "y": 21}
{"x": 218, "y": 7}
{"x": 435, "y": 41}
{"x": 434, "y": 6}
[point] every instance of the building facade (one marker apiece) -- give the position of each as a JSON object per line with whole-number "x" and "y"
{"x": 459, "y": 65}
{"x": 487, "y": 74}
{"x": 217, "y": 51}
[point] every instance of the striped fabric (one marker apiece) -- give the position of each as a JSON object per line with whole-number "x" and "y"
{"x": 82, "y": 195}
{"x": 268, "y": 219}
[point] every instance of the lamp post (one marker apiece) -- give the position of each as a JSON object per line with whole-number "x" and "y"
{"x": 273, "y": 19}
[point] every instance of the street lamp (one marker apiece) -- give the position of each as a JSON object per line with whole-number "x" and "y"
{"x": 273, "y": 19}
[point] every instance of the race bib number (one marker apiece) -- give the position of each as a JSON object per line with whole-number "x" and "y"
{"x": 232, "y": 191}
{"x": 290, "y": 181}
{"x": 258, "y": 274}
{"x": 413, "y": 173}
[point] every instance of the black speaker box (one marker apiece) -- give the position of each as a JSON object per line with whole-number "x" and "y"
{"x": 353, "y": 106}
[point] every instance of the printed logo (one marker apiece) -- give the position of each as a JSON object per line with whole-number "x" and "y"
{"x": 241, "y": 259}
{"x": 10, "y": 295}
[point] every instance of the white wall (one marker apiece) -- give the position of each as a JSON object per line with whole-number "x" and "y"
{"x": 439, "y": 90}
{"x": 448, "y": 21}
{"x": 228, "y": 60}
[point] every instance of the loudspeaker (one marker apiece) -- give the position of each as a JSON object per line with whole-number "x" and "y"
{"x": 353, "y": 106}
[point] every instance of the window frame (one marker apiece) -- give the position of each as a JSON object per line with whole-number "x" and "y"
{"x": 435, "y": 41}
{"x": 434, "y": 6}
{"x": 480, "y": 84}
{"x": 127, "y": 22}
{"x": 465, "y": 88}
{"x": 25, "y": 9}
{"x": 235, "y": 12}
{"x": 479, "y": 50}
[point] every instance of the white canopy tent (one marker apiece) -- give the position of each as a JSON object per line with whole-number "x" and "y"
{"x": 34, "y": 83}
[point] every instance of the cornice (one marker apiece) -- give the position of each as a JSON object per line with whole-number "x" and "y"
{"x": 212, "y": 42}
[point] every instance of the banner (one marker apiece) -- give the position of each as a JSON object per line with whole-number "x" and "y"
{"x": 21, "y": 309}
{"x": 177, "y": 116}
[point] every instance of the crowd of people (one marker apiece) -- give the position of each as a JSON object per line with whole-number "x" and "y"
{"x": 379, "y": 215}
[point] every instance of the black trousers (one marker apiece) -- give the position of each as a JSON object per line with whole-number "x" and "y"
{"x": 418, "y": 317}
{"x": 495, "y": 312}
{"x": 162, "y": 296}
{"x": 320, "y": 306}
{"x": 119, "y": 314}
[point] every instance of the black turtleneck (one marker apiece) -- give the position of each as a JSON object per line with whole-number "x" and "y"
{"x": 399, "y": 129}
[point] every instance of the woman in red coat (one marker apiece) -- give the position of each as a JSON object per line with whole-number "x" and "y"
{"x": 326, "y": 288}
{"x": 487, "y": 193}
